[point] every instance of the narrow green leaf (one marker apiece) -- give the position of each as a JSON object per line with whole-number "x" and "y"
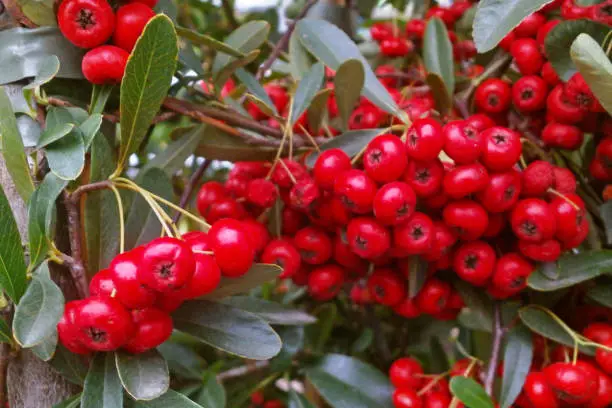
{"x": 595, "y": 67}
{"x": 208, "y": 41}
{"x": 306, "y": 91}
{"x": 351, "y": 143}
{"x": 144, "y": 376}
{"x": 212, "y": 393}
{"x": 255, "y": 88}
{"x": 90, "y": 128}
{"x": 12, "y": 149}
{"x": 470, "y": 393}
{"x": 318, "y": 109}
{"x": 300, "y": 61}
{"x": 69, "y": 365}
{"x": 226, "y": 73}
{"x": 50, "y": 135}
{"x": 170, "y": 399}
{"x": 72, "y": 402}
{"x": 496, "y": 18}
{"x": 46, "y": 349}
{"x": 438, "y": 53}
{"x": 99, "y": 97}
{"x": 364, "y": 341}
{"x": 228, "y": 328}
{"x": 102, "y": 385}
{"x": 298, "y": 401}
{"x": 519, "y": 351}
{"x": 257, "y": 276}
{"x": 12, "y": 262}
{"x": 571, "y": 270}
{"x": 147, "y": 78}
{"x": 602, "y": 294}
{"x": 439, "y": 90}
{"x": 272, "y": 312}
{"x": 246, "y": 38}
{"x": 348, "y": 85}
{"x": 479, "y": 306}
{"x": 605, "y": 211}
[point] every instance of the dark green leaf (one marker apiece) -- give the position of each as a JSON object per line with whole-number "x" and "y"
{"x": 438, "y": 358}
{"x": 102, "y": 385}
{"x": 182, "y": 360}
{"x": 12, "y": 148}
{"x": 228, "y": 328}
{"x": 595, "y": 66}
{"x": 560, "y": 39}
{"x": 226, "y": 73}
{"x": 602, "y": 294}
{"x": 172, "y": 159}
{"x": 572, "y": 270}
{"x": 345, "y": 382}
{"x": 50, "y": 135}
{"x": 443, "y": 100}
{"x": 470, "y": 393}
{"x": 496, "y": 18}
{"x": 146, "y": 82}
{"x": 69, "y": 365}
{"x": 255, "y": 88}
{"x": 257, "y": 276}
{"x": 293, "y": 341}
{"x": 317, "y": 110}
{"x": 245, "y": 39}
{"x": 351, "y": 142}
{"x": 605, "y": 211}
{"x": 320, "y": 333}
{"x": 298, "y": 401}
{"x": 364, "y": 341}
{"x": 519, "y": 351}
{"x": 46, "y": 349}
{"x": 89, "y": 129}
{"x": 208, "y": 41}
{"x": 348, "y": 84}
{"x": 12, "y": 263}
{"x": 272, "y": 312}
{"x": 6, "y": 335}
{"x": 72, "y": 402}
{"x": 66, "y": 156}
{"x": 417, "y": 275}
{"x": 300, "y": 61}
{"x": 48, "y": 68}
{"x": 40, "y": 12}
{"x": 333, "y": 47}
{"x": 212, "y": 393}
{"x": 306, "y": 91}
{"x": 479, "y": 307}
{"x": 170, "y": 399}
{"x": 438, "y": 53}
{"x": 144, "y": 376}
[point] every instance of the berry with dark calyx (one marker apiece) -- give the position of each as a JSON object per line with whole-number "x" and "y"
{"x": 103, "y": 324}
{"x": 538, "y": 392}
{"x": 405, "y": 373}
{"x": 124, "y": 272}
{"x": 152, "y": 328}
{"x": 433, "y": 296}
{"x": 384, "y": 159}
{"x": 424, "y": 140}
{"x": 283, "y": 253}
{"x": 493, "y": 96}
{"x": 237, "y": 187}
{"x": 537, "y": 178}
{"x": 533, "y": 220}
{"x": 234, "y": 252}
{"x": 502, "y": 148}
{"x": 166, "y": 264}
{"x": 465, "y": 180}
{"x": 305, "y": 194}
{"x": 462, "y": 142}
{"x": 529, "y": 93}
{"x": 325, "y": 282}
{"x": 578, "y": 92}
{"x": 406, "y": 398}
{"x": 314, "y": 245}
{"x": 344, "y": 256}
{"x": 502, "y": 191}
{"x": 356, "y": 190}
{"x": 562, "y": 136}
{"x": 387, "y": 287}
{"x": 511, "y": 273}
{"x": 545, "y": 251}
{"x": 86, "y": 23}
{"x": 366, "y": 117}
{"x": 102, "y": 284}
{"x": 130, "y": 22}
{"x": 527, "y": 56}
{"x": 416, "y": 235}
{"x": 104, "y": 65}
{"x": 261, "y": 192}
{"x": 561, "y": 109}
{"x": 573, "y": 384}
{"x": 425, "y": 177}
{"x": 367, "y": 237}
{"x": 474, "y": 262}
{"x": 68, "y": 332}
{"x": 467, "y": 218}
{"x": 328, "y": 166}
{"x": 394, "y": 203}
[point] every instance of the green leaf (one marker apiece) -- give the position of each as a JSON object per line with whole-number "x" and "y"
{"x": 102, "y": 385}
{"x": 318, "y": 108}
{"x": 228, "y": 328}
{"x": 470, "y": 393}
{"x": 417, "y": 275}
{"x": 72, "y": 402}
{"x": 144, "y": 376}
{"x": 496, "y": 18}
{"x": 443, "y": 100}
{"x": 66, "y": 156}
{"x": 12, "y": 148}
{"x": 207, "y": 41}
{"x": 6, "y": 335}
{"x": 255, "y": 88}
{"x": 170, "y": 399}
{"x": 300, "y": 61}
{"x": 539, "y": 321}
{"x": 50, "y": 135}
{"x": 479, "y": 307}
{"x": 212, "y": 393}
{"x": 333, "y": 47}
{"x": 46, "y": 349}
{"x": 35, "y": 47}
{"x": 298, "y": 401}
{"x": 559, "y": 41}
{"x": 351, "y": 143}
{"x": 602, "y": 294}
{"x": 319, "y": 334}
{"x": 172, "y": 159}
{"x": 605, "y": 211}
{"x": 364, "y": 341}
{"x": 147, "y": 78}
{"x": 90, "y": 128}
{"x": 519, "y": 351}
{"x": 39, "y": 311}
{"x": 572, "y": 270}
{"x": 12, "y": 262}
{"x": 246, "y": 38}
{"x": 48, "y": 68}
{"x": 348, "y": 84}
{"x": 595, "y": 67}
{"x": 345, "y": 382}
{"x": 306, "y": 91}
{"x": 293, "y": 341}
{"x": 69, "y": 365}
{"x": 41, "y": 212}
{"x": 272, "y": 312}
{"x": 40, "y": 12}
{"x": 226, "y": 73}
{"x": 257, "y": 276}
{"x": 182, "y": 360}
{"x": 438, "y": 53}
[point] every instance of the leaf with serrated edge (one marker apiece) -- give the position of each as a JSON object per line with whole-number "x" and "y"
{"x": 102, "y": 385}
{"x": 438, "y": 53}
{"x": 12, "y": 262}
{"x": 470, "y": 392}
{"x": 348, "y": 84}
{"x": 595, "y": 67}
{"x": 144, "y": 376}
{"x": 519, "y": 350}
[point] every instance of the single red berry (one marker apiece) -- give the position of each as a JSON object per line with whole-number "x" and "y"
{"x": 104, "y": 65}
{"x": 314, "y": 245}
{"x": 538, "y": 392}
{"x": 443, "y": 241}
{"x": 424, "y": 141}
{"x": 406, "y": 373}
{"x": 537, "y": 178}
{"x": 153, "y": 327}
{"x": 325, "y": 282}
{"x": 366, "y": 117}
{"x": 415, "y": 28}
{"x": 437, "y": 400}
{"x": 467, "y": 218}
{"x": 530, "y": 25}
{"x": 604, "y": 357}
{"x": 543, "y": 31}
{"x": 209, "y": 193}
{"x": 281, "y": 177}
{"x": 150, "y": 3}
{"x": 573, "y": 384}
{"x": 465, "y": 368}
{"x": 206, "y": 278}
{"x": 443, "y": 13}
{"x": 130, "y": 22}
{"x": 166, "y": 264}
{"x": 356, "y": 191}
{"x": 406, "y": 398}
{"x": 237, "y": 187}
{"x": 598, "y": 332}
{"x": 305, "y": 194}
{"x": 480, "y": 122}
{"x": 562, "y": 136}
{"x": 233, "y": 250}
{"x": 545, "y": 251}
{"x": 102, "y": 284}
{"x": 368, "y": 238}
{"x": 502, "y": 148}
{"x": 465, "y": 180}
{"x": 502, "y": 191}
{"x": 86, "y": 23}
{"x": 396, "y": 47}
{"x": 529, "y": 93}
{"x": 226, "y": 207}
{"x": 474, "y": 262}
{"x": 550, "y": 75}
{"x": 462, "y": 142}
{"x": 565, "y": 181}
{"x": 506, "y": 42}
{"x": 170, "y": 301}
{"x": 416, "y": 235}
{"x": 283, "y": 253}
{"x": 387, "y": 287}
{"x": 328, "y": 166}
{"x": 103, "y": 323}
{"x": 561, "y": 109}
{"x": 527, "y": 56}
{"x": 385, "y": 159}
{"x": 249, "y": 170}
{"x": 533, "y": 220}
{"x": 434, "y": 296}
{"x": 274, "y": 404}
{"x": 394, "y": 203}
{"x": 436, "y": 386}
{"x": 124, "y": 272}
{"x": 425, "y": 177}
{"x": 511, "y": 273}
{"x": 258, "y": 234}
{"x": 67, "y": 330}
{"x": 493, "y": 96}
{"x": 381, "y": 31}
{"x": 603, "y": 398}
{"x": 262, "y": 193}
{"x": 601, "y": 12}
{"x": 578, "y": 92}
{"x": 279, "y": 96}
{"x": 197, "y": 240}
{"x": 570, "y": 215}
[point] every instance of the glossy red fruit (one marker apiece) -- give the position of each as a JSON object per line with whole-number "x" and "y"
{"x": 206, "y": 278}
{"x": 565, "y": 181}
{"x": 545, "y": 251}
{"x": 381, "y": 31}
{"x": 462, "y": 142}
{"x": 226, "y": 208}
{"x": 533, "y": 220}
{"x": 258, "y": 234}
{"x": 415, "y": 28}
{"x": 406, "y": 398}
{"x": 493, "y": 96}
{"x": 529, "y": 93}
{"x": 601, "y": 12}
{"x": 304, "y": 195}
{"x": 387, "y": 287}
{"x": 396, "y": 47}
{"x": 233, "y": 250}
{"x": 104, "y": 65}
{"x": 511, "y": 273}
{"x": 283, "y": 253}
{"x": 368, "y": 238}
{"x": 530, "y": 25}
{"x": 130, "y": 22}
{"x": 425, "y": 177}
{"x": 152, "y": 328}
{"x": 562, "y": 136}
{"x": 68, "y": 332}
{"x": 285, "y": 174}
{"x": 405, "y": 373}
{"x": 437, "y": 400}
{"x": 465, "y": 180}
{"x": 443, "y": 241}
{"x": 466, "y": 218}
{"x": 329, "y": 165}
{"x": 527, "y": 56}
{"x": 604, "y": 357}
{"x": 465, "y": 368}
{"x": 102, "y": 284}
{"x": 86, "y": 23}
{"x": 537, "y": 178}
{"x": 103, "y": 324}
{"x": 262, "y": 193}
{"x": 433, "y": 296}
{"x": 314, "y": 245}
{"x": 394, "y": 203}
{"x": 325, "y": 282}
{"x": 407, "y": 309}
{"x": 569, "y": 212}
{"x": 502, "y": 148}
{"x": 474, "y": 262}
{"x": 150, "y": 3}
{"x": 598, "y": 332}
{"x": 356, "y": 191}
{"x": 573, "y": 384}
{"x": 550, "y": 75}
{"x": 385, "y": 159}
{"x": 209, "y": 193}
{"x": 279, "y": 96}
{"x": 502, "y": 191}
{"x": 124, "y": 272}
{"x": 561, "y": 109}
{"x": 578, "y": 92}
{"x": 424, "y": 141}
{"x": 274, "y": 404}
{"x": 603, "y": 398}
{"x": 366, "y": 117}
{"x": 538, "y": 392}
{"x": 166, "y": 264}
{"x": 480, "y": 122}
{"x": 416, "y": 235}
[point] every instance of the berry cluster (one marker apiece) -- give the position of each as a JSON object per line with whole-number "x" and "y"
{"x": 130, "y": 301}
{"x": 258, "y": 400}
{"x": 91, "y": 24}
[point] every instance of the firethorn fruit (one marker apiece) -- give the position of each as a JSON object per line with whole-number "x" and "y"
{"x": 104, "y": 65}
{"x": 573, "y": 384}
{"x": 604, "y": 357}
{"x": 569, "y": 212}
{"x": 281, "y": 177}
{"x": 124, "y": 272}
{"x": 344, "y": 256}
{"x": 274, "y": 404}
{"x": 562, "y": 136}
{"x": 396, "y": 47}
{"x": 465, "y": 368}
{"x": 367, "y": 237}
{"x": 209, "y": 193}
{"x": 424, "y": 140}
{"x": 130, "y": 22}
{"x": 385, "y": 159}
{"x": 533, "y": 220}
{"x": 493, "y": 96}
{"x": 502, "y": 148}
{"x": 68, "y": 332}
{"x": 258, "y": 234}
{"x": 465, "y": 180}
{"x": 467, "y": 218}
{"x": 225, "y": 207}
{"x": 527, "y": 56}
{"x": 425, "y": 177}
{"x": 406, "y": 398}
{"x": 529, "y": 93}
{"x": 601, "y": 13}
{"x": 278, "y": 95}
{"x": 416, "y": 235}
{"x": 561, "y": 109}
{"x": 502, "y": 191}
{"x": 103, "y": 323}
{"x": 102, "y": 284}
{"x": 261, "y": 192}
{"x": 282, "y": 253}
{"x": 394, "y": 203}
{"x": 381, "y": 31}
{"x": 234, "y": 253}
{"x": 480, "y": 122}
{"x": 407, "y": 308}
{"x": 366, "y": 117}
{"x": 433, "y": 296}
{"x": 474, "y": 262}
{"x": 538, "y": 392}
{"x": 150, "y": 3}
{"x": 462, "y": 142}
{"x": 328, "y": 166}
{"x": 325, "y": 282}
{"x": 356, "y": 190}
{"x": 314, "y": 245}
{"x": 530, "y": 25}
{"x": 550, "y": 75}
{"x": 305, "y": 194}
{"x": 206, "y": 277}
{"x": 405, "y": 373}
{"x": 598, "y": 332}
{"x": 537, "y": 178}
{"x": 511, "y": 273}
{"x": 167, "y": 264}
{"x": 153, "y": 327}
{"x": 580, "y": 94}
{"x": 415, "y": 28}
{"x": 443, "y": 241}
{"x": 437, "y": 400}
{"x": 387, "y": 287}
{"x": 86, "y": 23}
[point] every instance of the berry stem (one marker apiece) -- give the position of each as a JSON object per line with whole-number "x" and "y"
{"x": 121, "y": 219}
{"x": 560, "y": 195}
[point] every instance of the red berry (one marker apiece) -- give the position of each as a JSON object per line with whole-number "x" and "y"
{"x": 366, "y": 117}
{"x": 537, "y": 178}
{"x": 480, "y": 122}
{"x": 437, "y": 400}
{"x": 356, "y": 191}
{"x": 415, "y": 236}
{"x": 443, "y": 241}
{"x": 325, "y": 282}
{"x": 580, "y": 94}
{"x": 561, "y": 109}
{"x": 603, "y": 398}
{"x": 406, "y": 398}
{"x": 86, "y": 23}
{"x": 385, "y": 159}
{"x": 103, "y": 324}
{"x": 314, "y": 245}
{"x": 387, "y": 287}
{"x": 538, "y": 392}
{"x": 262, "y": 193}
{"x": 368, "y": 238}
{"x": 443, "y": 13}
{"x": 533, "y": 220}
{"x": 598, "y": 332}
{"x": 467, "y": 218}
{"x": 328, "y": 166}
{"x": 281, "y": 177}
{"x": 209, "y": 193}
{"x": 465, "y": 368}
{"x": 67, "y": 330}
{"x": 153, "y": 327}
{"x": 424, "y": 141}
{"x": 394, "y": 203}
{"x": 545, "y": 251}
{"x": 511, "y": 273}
{"x": 550, "y": 75}
{"x": 258, "y": 234}
{"x": 102, "y": 284}
{"x": 396, "y": 47}
{"x": 233, "y": 250}
{"x": 604, "y": 357}
{"x": 278, "y": 95}
{"x": 530, "y": 25}
{"x": 282, "y": 253}
{"x": 381, "y": 31}
{"x": 570, "y": 10}
{"x": 249, "y": 170}
{"x": 465, "y": 180}
{"x": 562, "y": 136}
{"x": 206, "y": 278}
{"x": 104, "y": 65}
{"x": 570, "y": 216}
{"x": 225, "y": 208}
{"x": 502, "y": 148}
{"x": 493, "y": 96}
{"x": 130, "y": 22}
{"x": 474, "y": 262}
{"x": 462, "y": 142}
{"x": 415, "y": 28}
{"x": 130, "y": 291}
{"x": 166, "y": 264}
{"x": 405, "y": 373}
{"x": 573, "y": 384}
{"x": 425, "y": 177}
{"x": 502, "y": 191}
{"x": 565, "y": 182}
{"x": 304, "y": 195}
{"x": 601, "y": 13}
{"x": 527, "y": 56}
{"x": 529, "y": 93}
{"x": 274, "y": 404}
{"x": 434, "y": 296}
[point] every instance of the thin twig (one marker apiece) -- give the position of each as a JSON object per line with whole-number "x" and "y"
{"x": 228, "y": 10}
{"x": 379, "y": 337}
{"x": 284, "y": 40}
{"x": 498, "y": 338}
{"x": 242, "y": 370}
{"x": 75, "y": 262}
{"x": 193, "y": 181}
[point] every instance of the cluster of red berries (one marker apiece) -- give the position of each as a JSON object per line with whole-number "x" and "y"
{"x": 130, "y": 301}
{"x": 91, "y": 24}
{"x": 258, "y": 400}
